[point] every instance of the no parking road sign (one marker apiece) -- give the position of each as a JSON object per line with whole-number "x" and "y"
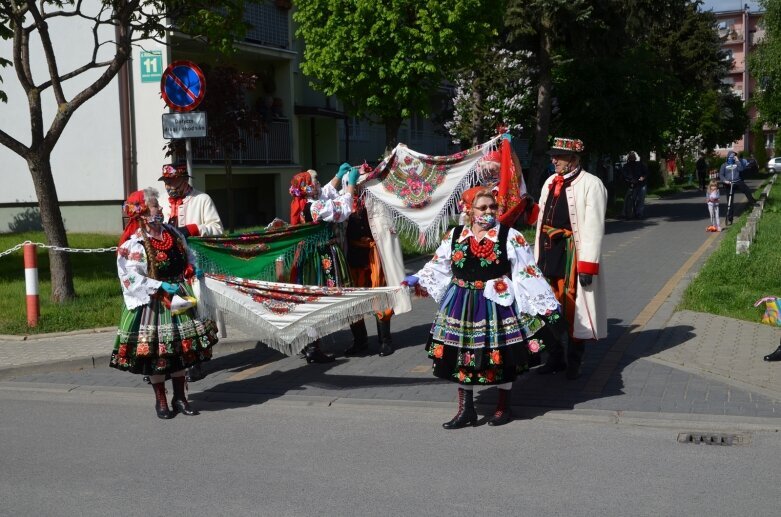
{"x": 183, "y": 86}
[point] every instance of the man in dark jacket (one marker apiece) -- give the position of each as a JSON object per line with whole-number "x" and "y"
{"x": 635, "y": 173}
{"x": 731, "y": 174}
{"x": 702, "y": 170}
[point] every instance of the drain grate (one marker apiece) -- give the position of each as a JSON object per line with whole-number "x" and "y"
{"x": 714, "y": 438}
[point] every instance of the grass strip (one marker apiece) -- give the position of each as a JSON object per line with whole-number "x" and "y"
{"x": 728, "y": 284}
{"x": 98, "y": 294}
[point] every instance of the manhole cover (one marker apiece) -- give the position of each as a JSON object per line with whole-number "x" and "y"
{"x": 715, "y": 438}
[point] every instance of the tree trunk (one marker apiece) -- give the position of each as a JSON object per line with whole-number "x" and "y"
{"x": 227, "y": 153}
{"x": 540, "y": 159}
{"x": 392, "y": 125}
{"x": 54, "y": 228}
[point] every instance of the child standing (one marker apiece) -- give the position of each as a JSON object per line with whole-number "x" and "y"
{"x": 712, "y": 198}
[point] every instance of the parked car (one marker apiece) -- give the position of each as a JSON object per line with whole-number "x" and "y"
{"x": 774, "y": 165}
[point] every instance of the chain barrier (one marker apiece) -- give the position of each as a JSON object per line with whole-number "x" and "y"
{"x": 57, "y": 248}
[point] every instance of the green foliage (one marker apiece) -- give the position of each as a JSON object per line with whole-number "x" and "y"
{"x": 758, "y": 146}
{"x": 629, "y": 74}
{"x": 729, "y": 284}
{"x": 99, "y": 297}
{"x": 765, "y": 64}
{"x": 386, "y": 59}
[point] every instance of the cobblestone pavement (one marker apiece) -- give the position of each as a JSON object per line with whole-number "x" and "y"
{"x": 654, "y": 359}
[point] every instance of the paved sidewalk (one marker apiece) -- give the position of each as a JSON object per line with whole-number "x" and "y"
{"x": 654, "y": 360}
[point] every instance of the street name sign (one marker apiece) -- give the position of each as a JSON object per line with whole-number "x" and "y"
{"x": 183, "y": 86}
{"x": 184, "y": 125}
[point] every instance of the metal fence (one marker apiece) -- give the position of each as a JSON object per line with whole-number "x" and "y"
{"x": 268, "y": 24}
{"x": 271, "y": 147}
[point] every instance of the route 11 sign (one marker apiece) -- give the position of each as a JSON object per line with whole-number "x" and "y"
{"x": 182, "y": 86}
{"x": 151, "y": 66}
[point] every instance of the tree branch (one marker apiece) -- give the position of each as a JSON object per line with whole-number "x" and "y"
{"x": 13, "y": 144}
{"x": 48, "y": 50}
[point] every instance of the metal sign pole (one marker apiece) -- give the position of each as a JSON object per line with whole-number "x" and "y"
{"x": 189, "y": 154}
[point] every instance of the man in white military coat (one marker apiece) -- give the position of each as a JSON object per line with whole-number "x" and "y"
{"x": 568, "y": 248}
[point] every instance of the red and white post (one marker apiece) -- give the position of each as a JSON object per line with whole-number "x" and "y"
{"x": 31, "y": 284}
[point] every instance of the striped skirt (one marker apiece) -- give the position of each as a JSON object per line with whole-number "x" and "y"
{"x": 151, "y": 340}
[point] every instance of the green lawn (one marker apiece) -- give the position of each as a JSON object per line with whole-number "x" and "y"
{"x": 729, "y": 284}
{"x": 98, "y": 292}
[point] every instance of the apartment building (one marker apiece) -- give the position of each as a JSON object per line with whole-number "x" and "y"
{"x": 102, "y": 156}
{"x": 741, "y": 31}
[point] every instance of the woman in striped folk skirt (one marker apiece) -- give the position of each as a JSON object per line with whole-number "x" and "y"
{"x": 159, "y": 333}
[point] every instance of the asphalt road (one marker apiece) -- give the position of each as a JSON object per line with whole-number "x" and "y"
{"x": 100, "y": 453}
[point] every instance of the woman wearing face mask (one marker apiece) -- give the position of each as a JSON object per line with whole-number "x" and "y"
{"x": 158, "y": 332}
{"x": 492, "y": 301}
{"x": 312, "y": 203}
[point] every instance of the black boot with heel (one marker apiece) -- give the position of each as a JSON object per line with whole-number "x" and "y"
{"x": 384, "y": 335}
{"x": 179, "y": 402}
{"x": 466, "y": 411}
{"x": 360, "y": 339}
{"x": 774, "y": 355}
{"x": 313, "y": 354}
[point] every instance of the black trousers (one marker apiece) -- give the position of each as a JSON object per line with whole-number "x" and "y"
{"x": 738, "y": 186}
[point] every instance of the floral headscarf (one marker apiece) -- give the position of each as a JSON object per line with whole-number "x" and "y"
{"x": 301, "y": 187}
{"x": 134, "y": 207}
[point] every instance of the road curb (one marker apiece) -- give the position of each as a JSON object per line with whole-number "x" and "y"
{"x": 101, "y": 360}
{"x": 33, "y": 337}
{"x": 682, "y": 422}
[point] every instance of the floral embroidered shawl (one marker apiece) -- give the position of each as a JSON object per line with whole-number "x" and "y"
{"x": 255, "y": 254}
{"x": 422, "y": 191}
{"x": 287, "y": 317}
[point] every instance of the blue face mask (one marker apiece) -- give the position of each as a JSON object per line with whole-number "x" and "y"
{"x": 731, "y": 160}
{"x": 485, "y": 221}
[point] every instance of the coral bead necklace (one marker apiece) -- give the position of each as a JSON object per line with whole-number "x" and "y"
{"x": 164, "y": 243}
{"x": 482, "y": 249}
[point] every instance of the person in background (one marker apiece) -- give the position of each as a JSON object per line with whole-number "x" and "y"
{"x": 313, "y": 204}
{"x": 492, "y": 301}
{"x": 568, "y": 249}
{"x": 731, "y": 175}
{"x": 712, "y": 198}
{"x": 366, "y": 270}
{"x": 189, "y": 209}
{"x": 635, "y": 174}
{"x": 193, "y": 213}
{"x": 159, "y": 333}
{"x": 701, "y": 166}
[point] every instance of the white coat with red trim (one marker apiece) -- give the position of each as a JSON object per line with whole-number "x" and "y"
{"x": 587, "y": 202}
{"x": 198, "y": 216}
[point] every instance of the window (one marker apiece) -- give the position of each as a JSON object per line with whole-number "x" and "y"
{"x": 721, "y": 147}
{"x": 770, "y": 140}
{"x": 417, "y": 127}
{"x": 358, "y": 129}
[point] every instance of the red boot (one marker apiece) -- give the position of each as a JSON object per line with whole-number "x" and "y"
{"x": 503, "y": 414}
{"x": 161, "y": 404}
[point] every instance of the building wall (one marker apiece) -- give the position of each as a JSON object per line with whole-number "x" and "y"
{"x": 741, "y": 31}
{"x": 86, "y": 162}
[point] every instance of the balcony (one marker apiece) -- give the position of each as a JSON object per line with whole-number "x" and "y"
{"x": 269, "y": 25}
{"x": 270, "y": 148}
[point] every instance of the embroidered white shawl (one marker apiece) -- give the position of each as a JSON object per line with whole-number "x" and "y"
{"x": 287, "y": 317}
{"x": 422, "y": 191}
